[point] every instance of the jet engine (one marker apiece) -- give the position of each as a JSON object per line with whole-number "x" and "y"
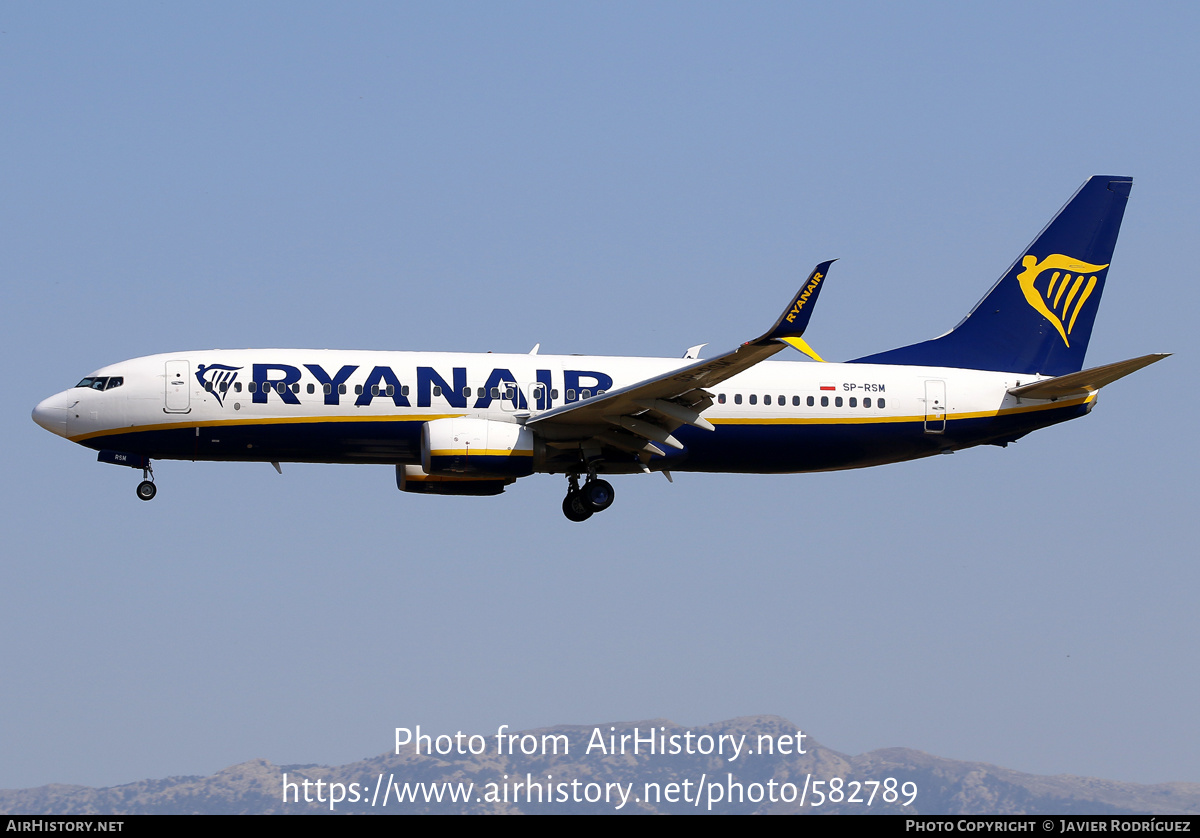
{"x": 479, "y": 448}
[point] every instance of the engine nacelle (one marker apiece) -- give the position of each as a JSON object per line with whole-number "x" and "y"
{"x": 414, "y": 479}
{"x": 463, "y": 447}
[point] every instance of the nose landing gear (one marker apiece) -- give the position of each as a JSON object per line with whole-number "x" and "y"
{"x": 146, "y": 490}
{"x": 582, "y": 502}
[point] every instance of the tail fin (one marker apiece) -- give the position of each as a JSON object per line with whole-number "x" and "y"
{"x": 1038, "y": 318}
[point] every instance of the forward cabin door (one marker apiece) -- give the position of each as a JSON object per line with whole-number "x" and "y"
{"x": 178, "y": 391}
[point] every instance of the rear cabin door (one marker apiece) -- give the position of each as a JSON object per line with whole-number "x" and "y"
{"x": 935, "y": 407}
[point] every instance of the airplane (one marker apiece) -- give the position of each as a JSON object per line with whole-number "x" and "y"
{"x": 472, "y": 424}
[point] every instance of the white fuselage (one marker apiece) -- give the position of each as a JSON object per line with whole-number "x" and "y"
{"x": 368, "y": 406}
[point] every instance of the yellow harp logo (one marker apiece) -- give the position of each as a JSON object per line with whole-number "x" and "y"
{"x": 1067, "y": 289}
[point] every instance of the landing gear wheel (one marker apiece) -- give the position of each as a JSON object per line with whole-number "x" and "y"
{"x": 146, "y": 490}
{"x": 598, "y": 495}
{"x": 575, "y": 508}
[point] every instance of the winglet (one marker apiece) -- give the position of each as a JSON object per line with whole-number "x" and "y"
{"x": 794, "y": 320}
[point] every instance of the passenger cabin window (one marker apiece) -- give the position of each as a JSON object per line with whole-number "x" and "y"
{"x": 766, "y": 399}
{"x": 720, "y": 398}
{"x": 753, "y": 399}
{"x": 311, "y": 389}
{"x": 853, "y": 402}
{"x": 837, "y": 402}
{"x": 737, "y": 398}
{"x": 824, "y": 401}
{"x": 437, "y": 389}
{"x": 810, "y": 400}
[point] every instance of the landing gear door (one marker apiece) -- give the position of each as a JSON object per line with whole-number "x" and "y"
{"x": 178, "y": 388}
{"x": 935, "y": 407}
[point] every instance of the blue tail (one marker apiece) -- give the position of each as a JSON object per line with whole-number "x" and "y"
{"x": 1038, "y": 317}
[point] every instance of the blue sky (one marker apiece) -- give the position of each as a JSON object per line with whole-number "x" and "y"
{"x": 612, "y": 179}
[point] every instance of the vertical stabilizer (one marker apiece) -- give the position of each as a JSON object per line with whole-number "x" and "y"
{"x": 1038, "y": 318}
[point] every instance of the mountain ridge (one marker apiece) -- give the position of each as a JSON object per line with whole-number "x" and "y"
{"x": 623, "y": 782}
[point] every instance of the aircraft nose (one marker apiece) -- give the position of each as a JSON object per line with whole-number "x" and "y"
{"x": 51, "y": 414}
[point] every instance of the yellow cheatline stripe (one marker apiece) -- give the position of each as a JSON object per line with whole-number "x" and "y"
{"x": 486, "y": 452}
{"x": 882, "y": 420}
{"x": 278, "y": 420}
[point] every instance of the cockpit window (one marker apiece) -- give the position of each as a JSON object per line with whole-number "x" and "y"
{"x": 102, "y": 382}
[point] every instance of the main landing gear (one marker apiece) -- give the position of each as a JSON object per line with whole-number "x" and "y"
{"x": 146, "y": 490}
{"x": 582, "y": 502}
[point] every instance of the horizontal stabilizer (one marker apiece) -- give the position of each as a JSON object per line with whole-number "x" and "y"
{"x": 1086, "y": 381}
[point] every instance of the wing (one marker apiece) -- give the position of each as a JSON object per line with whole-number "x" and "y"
{"x": 634, "y": 418}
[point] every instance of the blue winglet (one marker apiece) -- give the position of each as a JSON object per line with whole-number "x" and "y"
{"x": 794, "y": 320}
